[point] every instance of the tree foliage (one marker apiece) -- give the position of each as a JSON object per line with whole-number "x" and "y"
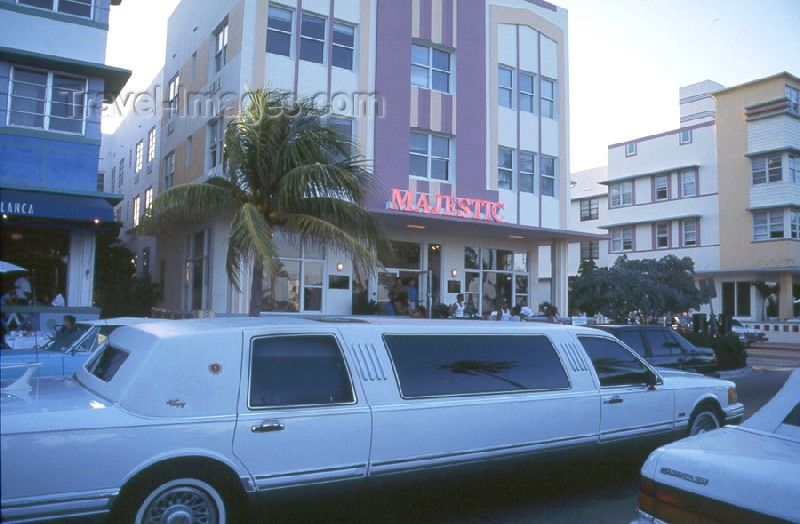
{"x": 653, "y": 287}
{"x": 284, "y": 170}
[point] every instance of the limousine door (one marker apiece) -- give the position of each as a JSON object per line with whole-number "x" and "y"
{"x": 630, "y": 408}
{"x": 300, "y": 420}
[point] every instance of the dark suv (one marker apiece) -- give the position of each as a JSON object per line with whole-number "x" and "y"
{"x": 662, "y": 346}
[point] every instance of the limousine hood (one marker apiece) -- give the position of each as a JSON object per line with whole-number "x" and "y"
{"x": 52, "y": 403}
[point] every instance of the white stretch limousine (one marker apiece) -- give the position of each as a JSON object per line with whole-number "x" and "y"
{"x": 182, "y": 420}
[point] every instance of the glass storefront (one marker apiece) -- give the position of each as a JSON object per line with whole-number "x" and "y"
{"x": 494, "y": 276}
{"x": 298, "y": 284}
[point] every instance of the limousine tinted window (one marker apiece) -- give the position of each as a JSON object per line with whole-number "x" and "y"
{"x": 298, "y": 370}
{"x": 615, "y": 365}
{"x": 105, "y": 364}
{"x": 435, "y": 365}
{"x": 633, "y": 339}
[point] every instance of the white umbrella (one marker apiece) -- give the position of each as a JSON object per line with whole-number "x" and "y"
{"x": 7, "y": 267}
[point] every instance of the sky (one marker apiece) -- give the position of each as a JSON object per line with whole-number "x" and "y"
{"x": 627, "y": 58}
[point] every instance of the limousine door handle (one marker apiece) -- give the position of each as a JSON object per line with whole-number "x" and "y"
{"x": 613, "y": 400}
{"x": 267, "y": 426}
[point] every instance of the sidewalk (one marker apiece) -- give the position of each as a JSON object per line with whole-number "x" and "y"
{"x": 774, "y": 345}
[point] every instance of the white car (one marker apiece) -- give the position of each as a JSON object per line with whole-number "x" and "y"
{"x": 181, "y": 421}
{"x": 749, "y": 473}
{"x": 746, "y": 334}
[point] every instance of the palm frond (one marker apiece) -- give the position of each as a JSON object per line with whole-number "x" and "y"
{"x": 250, "y": 236}
{"x": 188, "y": 202}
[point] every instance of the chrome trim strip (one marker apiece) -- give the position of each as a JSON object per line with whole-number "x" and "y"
{"x": 664, "y": 425}
{"x": 309, "y": 472}
{"x": 30, "y": 502}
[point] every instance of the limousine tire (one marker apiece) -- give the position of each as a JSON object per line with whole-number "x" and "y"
{"x": 705, "y": 418}
{"x": 168, "y": 495}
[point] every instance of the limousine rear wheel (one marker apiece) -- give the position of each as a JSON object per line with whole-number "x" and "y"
{"x": 704, "y": 419}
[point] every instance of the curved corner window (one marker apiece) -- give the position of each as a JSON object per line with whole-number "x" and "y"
{"x": 105, "y": 364}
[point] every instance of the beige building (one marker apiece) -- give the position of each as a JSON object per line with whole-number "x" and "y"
{"x": 758, "y": 161}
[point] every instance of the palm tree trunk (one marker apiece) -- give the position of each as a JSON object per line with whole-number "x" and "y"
{"x": 256, "y": 288}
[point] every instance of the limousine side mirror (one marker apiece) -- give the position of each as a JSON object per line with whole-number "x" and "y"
{"x": 651, "y": 379}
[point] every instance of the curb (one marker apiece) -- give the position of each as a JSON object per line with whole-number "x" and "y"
{"x": 733, "y": 373}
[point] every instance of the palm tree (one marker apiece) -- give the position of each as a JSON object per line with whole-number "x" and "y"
{"x": 284, "y": 170}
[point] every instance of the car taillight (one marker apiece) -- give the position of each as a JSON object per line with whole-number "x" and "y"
{"x": 731, "y": 395}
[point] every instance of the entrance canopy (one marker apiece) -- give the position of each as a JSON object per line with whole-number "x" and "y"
{"x": 65, "y": 206}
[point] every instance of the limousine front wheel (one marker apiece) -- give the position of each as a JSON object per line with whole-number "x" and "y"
{"x": 705, "y": 419}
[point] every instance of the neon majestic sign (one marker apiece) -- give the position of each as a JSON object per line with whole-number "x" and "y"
{"x": 447, "y": 205}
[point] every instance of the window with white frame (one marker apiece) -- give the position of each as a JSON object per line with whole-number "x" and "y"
{"x": 82, "y": 8}
{"x": 548, "y": 98}
{"x": 794, "y": 223}
{"x": 298, "y": 285}
{"x": 216, "y": 130}
{"x": 148, "y": 198}
{"x": 685, "y": 136}
{"x": 430, "y": 68}
{"x": 689, "y": 233}
{"x": 137, "y": 210}
{"x": 173, "y": 90}
{"x": 312, "y": 38}
{"x": 689, "y": 183}
{"x": 768, "y": 224}
{"x": 344, "y": 44}
{"x": 195, "y": 272}
{"x": 661, "y": 235}
{"x": 429, "y": 156}
{"x": 590, "y": 209}
{"x": 344, "y": 126}
{"x": 279, "y": 30}
{"x": 767, "y": 169}
{"x": 621, "y": 194}
{"x": 169, "y": 170}
{"x": 505, "y": 86}
{"x": 220, "y": 46}
{"x": 793, "y": 95}
{"x": 121, "y": 172}
{"x": 630, "y": 149}
{"x": 590, "y": 250}
{"x": 547, "y": 175}
{"x": 151, "y": 144}
{"x": 793, "y": 174}
{"x": 527, "y": 173}
{"x": 47, "y": 100}
{"x": 661, "y": 183}
{"x": 505, "y": 168}
{"x": 139, "y": 156}
{"x": 526, "y": 91}
{"x": 492, "y": 276}
{"x": 622, "y": 239}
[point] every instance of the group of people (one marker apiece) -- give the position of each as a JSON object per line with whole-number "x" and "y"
{"x": 404, "y": 300}
{"x": 20, "y": 294}
{"x": 502, "y": 313}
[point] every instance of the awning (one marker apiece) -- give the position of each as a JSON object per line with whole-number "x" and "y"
{"x": 40, "y": 204}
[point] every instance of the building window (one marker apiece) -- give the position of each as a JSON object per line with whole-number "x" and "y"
{"x": 82, "y": 8}
{"x": 505, "y": 86}
{"x": 220, "y": 47}
{"x": 121, "y": 172}
{"x": 298, "y": 285}
{"x": 621, "y": 194}
{"x": 430, "y": 156}
{"x": 172, "y": 95}
{"x": 195, "y": 271}
{"x": 279, "y": 31}
{"x": 169, "y": 170}
{"x": 430, "y": 68}
{"x": 622, "y": 239}
{"x": 527, "y": 174}
{"x": 148, "y": 199}
{"x": 768, "y": 224}
{"x": 526, "y": 91}
{"x": 49, "y": 101}
{"x": 794, "y": 223}
{"x": 101, "y": 181}
{"x": 689, "y": 183}
{"x": 548, "y": 175}
{"x": 766, "y": 169}
{"x": 505, "y": 168}
{"x": 312, "y": 38}
{"x": 146, "y": 261}
{"x": 188, "y": 160}
{"x": 492, "y": 276}
{"x": 630, "y": 149}
{"x": 689, "y": 234}
{"x": 113, "y": 179}
{"x": 590, "y": 209}
{"x": 590, "y": 250}
{"x": 661, "y": 234}
{"x": 685, "y": 136}
{"x": 343, "y": 126}
{"x": 793, "y": 95}
{"x": 151, "y": 145}
{"x": 661, "y": 189}
{"x": 139, "y": 156}
{"x": 548, "y": 98}
{"x": 216, "y": 130}
{"x": 344, "y": 42}
{"x": 137, "y": 210}
{"x": 794, "y": 169}
{"x": 736, "y": 298}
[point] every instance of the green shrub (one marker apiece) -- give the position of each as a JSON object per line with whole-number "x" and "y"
{"x": 731, "y": 353}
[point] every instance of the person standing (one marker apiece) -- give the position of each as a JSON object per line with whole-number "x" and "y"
{"x": 58, "y": 300}
{"x": 411, "y": 289}
{"x": 457, "y": 308}
{"x": 503, "y": 312}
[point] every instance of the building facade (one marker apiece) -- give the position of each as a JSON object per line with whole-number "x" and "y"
{"x": 53, "y": 200}
{"x": 461, "y": 108}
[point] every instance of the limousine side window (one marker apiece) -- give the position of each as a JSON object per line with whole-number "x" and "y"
{"x": 615, "y": 365}
{"x": 104, "y": 365}
{"x": 437, "y": 365}
{"x": 633, "y": 339}
{"x": 298, "y": 370}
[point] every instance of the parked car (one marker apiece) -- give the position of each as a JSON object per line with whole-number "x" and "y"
{"x": 749, "y": 473}
{"x": 746, "y": 334}
{"x": 662, "y": 346}
{"x": 65, "y": 352}
{"x": 190, "y": 417}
